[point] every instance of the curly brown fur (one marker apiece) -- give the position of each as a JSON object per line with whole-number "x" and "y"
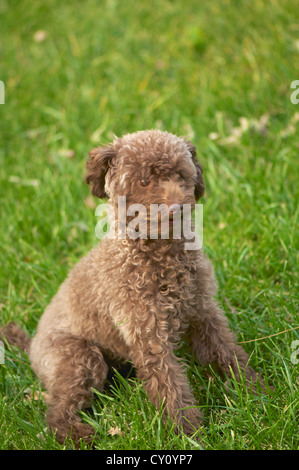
{"x": 135, "y": 299}
{"x": 15, "y": 336}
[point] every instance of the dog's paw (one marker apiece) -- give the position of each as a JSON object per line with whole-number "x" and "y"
{"x": 77, "y": 432}
{"x": 82, "y": 431}
{"x": 189, "y": 420}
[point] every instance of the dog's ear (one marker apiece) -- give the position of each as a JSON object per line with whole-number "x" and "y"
{"x": 199, "y": 183}
{"x": 97, "y": 166}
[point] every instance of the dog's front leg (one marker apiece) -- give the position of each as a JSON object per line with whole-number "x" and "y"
{"x": 165, "y": 382}
{"x": 212, "y": 341}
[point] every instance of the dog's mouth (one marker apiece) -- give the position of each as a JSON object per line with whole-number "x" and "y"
{"x": 172, "y": 217}
{"x": 175, "y": 213}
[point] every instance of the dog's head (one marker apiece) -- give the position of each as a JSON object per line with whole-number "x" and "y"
{"x": 148, "y": 167}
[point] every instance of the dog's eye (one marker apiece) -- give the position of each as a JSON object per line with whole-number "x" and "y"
{"x": 180, "y": 177}
{"x": 143, "y": 182}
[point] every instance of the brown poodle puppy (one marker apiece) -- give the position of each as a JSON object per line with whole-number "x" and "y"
{"x": 134, "y": 299}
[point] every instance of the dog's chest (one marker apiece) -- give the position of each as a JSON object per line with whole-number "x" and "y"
{"x": 164, "y": 292}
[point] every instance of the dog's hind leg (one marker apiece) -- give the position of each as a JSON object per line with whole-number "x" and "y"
{"x": 80, "y": 367}
{"x": 15, "y": 336}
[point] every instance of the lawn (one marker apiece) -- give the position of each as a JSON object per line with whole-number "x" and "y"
{"x": 220, "y": 73}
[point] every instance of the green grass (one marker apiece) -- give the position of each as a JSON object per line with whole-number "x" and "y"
{"x": 195, "y": 69}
